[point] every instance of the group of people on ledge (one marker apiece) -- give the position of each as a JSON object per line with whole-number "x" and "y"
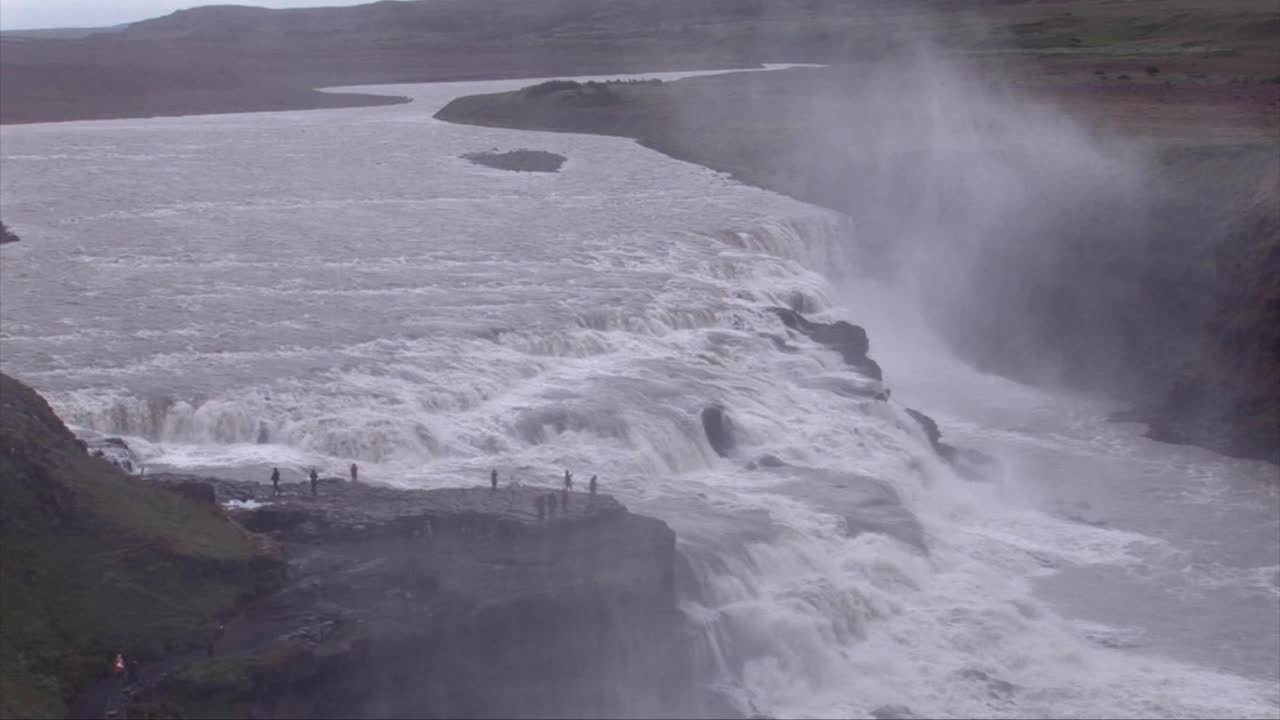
{"x": 313, "y": 477}
{"x": 547, "y": 503}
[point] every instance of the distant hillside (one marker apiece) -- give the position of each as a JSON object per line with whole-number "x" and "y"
{"x": 59, "y": 33}
{"x": 228, "y": 58}
{"x": 232, "y": 58}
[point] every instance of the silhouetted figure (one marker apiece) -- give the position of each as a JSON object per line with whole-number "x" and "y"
{"x": 355, "y": 473}
{"x": 493, "y": 479}
{"x": 275, "y": 481}
{"x": 315, "y": 478}
{"x": 540, "y": 503}
{"x": 592, "y": 485}
{"x": 551, "y": 503}
{"x": 568, "y": 481}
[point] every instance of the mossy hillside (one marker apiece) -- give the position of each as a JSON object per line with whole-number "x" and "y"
{"x": 95, "y": 562}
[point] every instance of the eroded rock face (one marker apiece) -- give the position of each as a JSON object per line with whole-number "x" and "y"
{"x": 845, "y": 338}
{"x": 459, "y": 602}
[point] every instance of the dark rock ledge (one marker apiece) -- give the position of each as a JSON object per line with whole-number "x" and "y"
{"x": 454, "y": 602}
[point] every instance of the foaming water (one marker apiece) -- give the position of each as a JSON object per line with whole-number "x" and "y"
{"x": 318, "y": 288}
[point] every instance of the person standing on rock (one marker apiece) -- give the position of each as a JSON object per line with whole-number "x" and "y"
{"x": 315, "y": 479}
{"x": 493, "y": 479}
{"x": 355, "y": 473}
{"x": 592, "y": 485}
{"x": 568, "y": 481}
{"x": 275, "y": 481}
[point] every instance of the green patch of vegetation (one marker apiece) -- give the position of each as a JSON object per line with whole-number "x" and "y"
{"x": 95, "y": 562}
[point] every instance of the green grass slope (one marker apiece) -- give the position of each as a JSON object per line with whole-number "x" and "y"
{"x": 93, "y": 562}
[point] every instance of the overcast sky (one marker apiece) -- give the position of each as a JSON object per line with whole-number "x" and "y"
{"x": 26, "y": 14}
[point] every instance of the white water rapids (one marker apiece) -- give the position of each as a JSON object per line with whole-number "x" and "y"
{"x": 233, "y": 292}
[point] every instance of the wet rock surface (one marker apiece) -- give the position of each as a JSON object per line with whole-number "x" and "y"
{"x": 845, "y": 338}
{"x": 719, "y": 429}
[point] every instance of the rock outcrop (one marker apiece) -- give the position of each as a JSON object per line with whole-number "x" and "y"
{"x": 115, "y": 451}
{"x": 455, "y": 602}
{"x": 845, "y": 338}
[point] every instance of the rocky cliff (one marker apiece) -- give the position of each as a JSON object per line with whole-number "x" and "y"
{"x": 359, "y": 601}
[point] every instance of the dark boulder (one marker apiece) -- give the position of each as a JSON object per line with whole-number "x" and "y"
{"x": 719, "y": 429}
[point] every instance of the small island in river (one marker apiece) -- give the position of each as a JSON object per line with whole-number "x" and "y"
{"x": 518, "y": 160}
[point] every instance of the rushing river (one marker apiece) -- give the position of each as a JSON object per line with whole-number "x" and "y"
{"x": 316, "y": 288}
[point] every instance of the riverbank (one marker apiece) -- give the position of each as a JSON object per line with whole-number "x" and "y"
{"x": 1138, "y": 282}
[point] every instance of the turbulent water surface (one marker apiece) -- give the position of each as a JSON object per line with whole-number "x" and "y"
{"x": 317, "y": 288}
